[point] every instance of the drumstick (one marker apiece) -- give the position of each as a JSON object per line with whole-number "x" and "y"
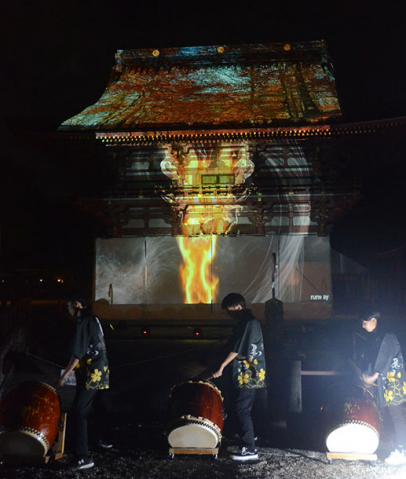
{"x": 191, "y": 369}
{"x": 355, "y": 367}
{"x": 359, "y": 372}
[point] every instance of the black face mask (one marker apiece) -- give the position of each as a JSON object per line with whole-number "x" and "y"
{"x": 237, "y": 314}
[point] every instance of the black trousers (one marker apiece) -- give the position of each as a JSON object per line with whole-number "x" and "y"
{"x": 399, "y": 425}
{"x": 81, "y": 407}
{"x": 243, "y": 402}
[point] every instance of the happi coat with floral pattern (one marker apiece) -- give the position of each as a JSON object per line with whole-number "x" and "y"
{"x": 89, "y": 347}
{"x": 392, "y": 375}
{"x": 249, "y": 368}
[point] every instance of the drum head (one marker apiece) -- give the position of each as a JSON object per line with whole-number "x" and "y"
{"x": 21, "y": 443}
{"x": 353, "y": 438}
{"x": 193, "y": 435}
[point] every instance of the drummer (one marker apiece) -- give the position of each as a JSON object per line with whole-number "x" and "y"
{"x": 246, "y": 354}
{"x": 389, "y": 372}
{"x": 89, "y": 360}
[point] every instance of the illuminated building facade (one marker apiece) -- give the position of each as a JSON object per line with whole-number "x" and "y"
{"x": 228, "y": 175}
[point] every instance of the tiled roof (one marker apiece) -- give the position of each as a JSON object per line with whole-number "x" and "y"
{"x": 218, "y": 86}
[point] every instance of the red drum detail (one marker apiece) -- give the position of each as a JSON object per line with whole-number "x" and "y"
{"x": 195, "y": 412}
{"x": 29, "y": 415}
{"x": 353, "y": 421}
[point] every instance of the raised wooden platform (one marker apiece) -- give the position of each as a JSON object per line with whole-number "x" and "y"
{"x": 173, "y": 451}
{"x": 349, "y": 456}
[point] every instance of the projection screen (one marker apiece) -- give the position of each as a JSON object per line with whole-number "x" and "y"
{"x": 146, "y": 271}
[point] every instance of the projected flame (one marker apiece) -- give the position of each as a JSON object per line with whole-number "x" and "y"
{"x": 198, "y": 282}
{"x": 207, "y": 187}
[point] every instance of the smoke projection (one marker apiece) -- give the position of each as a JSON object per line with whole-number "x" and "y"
{"x": 120, "y": 263}
{"x": 149, "y": 271}
{"x": 138, "y": 271}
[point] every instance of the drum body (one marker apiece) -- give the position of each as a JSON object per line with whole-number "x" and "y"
{"x": 195, "y": 412}
{"x": 29, "y": 415}
{"x": 352, "y": 420}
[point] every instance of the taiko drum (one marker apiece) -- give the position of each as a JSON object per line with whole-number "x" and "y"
{"x": 352, "y": 420}
{"x": 195, "y": 412}
{"x": 29, "y": 415}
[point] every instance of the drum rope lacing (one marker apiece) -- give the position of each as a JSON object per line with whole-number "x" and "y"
{"x": 29, "y": 430}
{"x": 358, "y": 423}
{"x": 134, "y": 363}
{"x": 184, "y": 421}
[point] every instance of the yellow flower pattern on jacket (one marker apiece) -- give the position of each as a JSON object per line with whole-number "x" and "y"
{"x": 96, "y": 375}
{"x": 89, "y": 346}
{"x": 390, "y": 365}
{"x": 248, "y": 370}
{"x": 250, "y": 376}
{"x": 395, "y": 391}
{"x": 98, "y": 379}
{"x": 93, "y": 378}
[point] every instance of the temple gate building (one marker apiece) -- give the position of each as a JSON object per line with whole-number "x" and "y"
{"x": 230, "y": 172}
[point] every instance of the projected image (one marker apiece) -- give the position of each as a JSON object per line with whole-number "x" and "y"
{"x": 207, "y": 186}
{"x": 208, "y": 183}
{"x": 203, "y": 85}
{"x": 199, "y": 282}
{"x": 152, "y": 271}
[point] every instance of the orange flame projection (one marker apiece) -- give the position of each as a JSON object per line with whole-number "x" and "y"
{"x": 198, "y": 282}
{"x": 207, "y": 186}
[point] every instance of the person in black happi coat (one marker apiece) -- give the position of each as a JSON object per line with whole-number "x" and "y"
{"x": 388, "y": 371}
{"x": 89, "y": 360}
{"x": 246, "y": 354}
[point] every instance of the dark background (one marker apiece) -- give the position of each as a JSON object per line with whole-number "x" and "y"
{"x": 57, "y": 58}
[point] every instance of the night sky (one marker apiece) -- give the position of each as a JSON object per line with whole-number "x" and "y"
{"x": 57, "y": 58}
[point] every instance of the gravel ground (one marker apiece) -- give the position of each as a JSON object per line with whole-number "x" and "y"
{"x": 142, "y": 453}
{"x": 140, "y": 445}
{"x": 149, "y": 463}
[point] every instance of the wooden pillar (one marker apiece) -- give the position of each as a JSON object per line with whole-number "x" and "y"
{"x": 284, "y": 374}
{"x": 273, "y": 344}
{"x": 293, "y": 372}
{"x": 273, "y": 324}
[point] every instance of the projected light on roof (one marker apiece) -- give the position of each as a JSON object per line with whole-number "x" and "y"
{"x": 244, "y": 85}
